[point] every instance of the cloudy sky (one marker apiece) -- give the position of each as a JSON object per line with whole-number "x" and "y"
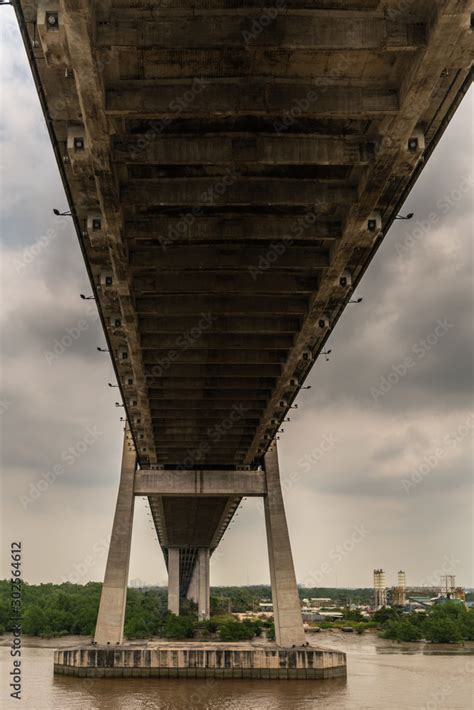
{"x": 377, "y": 461}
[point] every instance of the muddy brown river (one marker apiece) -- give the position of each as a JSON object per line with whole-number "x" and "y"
{"x": 380, "y": 675}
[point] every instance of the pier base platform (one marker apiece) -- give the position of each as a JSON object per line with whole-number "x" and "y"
{"x": 194, "y": 659}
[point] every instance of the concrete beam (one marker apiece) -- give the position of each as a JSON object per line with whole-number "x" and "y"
{"x": 173, "y": 230}
{"x": 158, "y": 99}
{"x": 78, "y": 19}
{"x": 214, "y": 357}
{"x": 113, "y": 598}
{"x": 149, "y": 148}
{"x": 223, "y": 283}
{"x": 286, "y": 30}
{"x": 212, "y": 382}
{"x": 138, "y": 10}
{"x": 237, "y": 192}
{"x": 186, "y": 370}
{"x": 251, "y": 324}
{"x": 213, "y": 341}
{"x": 231, "y": 258}
{"x": 242, "y": 62}
{"x": 183, "y": 431}
{"x": 200, "y": 483}
{"x": 212, "y": 405}
{"x": 234, "y": 395}
{"x": 188, "y": 304}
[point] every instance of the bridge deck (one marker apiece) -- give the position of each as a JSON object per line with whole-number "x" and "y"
{"x": 232, "y": 170}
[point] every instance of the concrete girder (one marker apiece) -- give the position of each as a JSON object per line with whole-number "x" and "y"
{"x": 307, "y": 226}
{"x": 255, "y": 325}
{"x": 286, "y": 30}
{"x": 256, "y": 259}
{"x": 241, "y": 148}
{"x": 246, "y": 191}
{"x": 221, "y": 282}
{"x": 200, "y": 483}
{"x": 187, "y": 304}
{"x": 213, "y": 98}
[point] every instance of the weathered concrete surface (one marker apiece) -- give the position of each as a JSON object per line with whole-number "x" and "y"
{"x": 204, "y": 601}
{"x": 200, "y": 483}
{"x": 110, "y": 621}
{"x": 173, "y": 579}
{"x": 289, "y": 629}
{"x": 198, "y": 660}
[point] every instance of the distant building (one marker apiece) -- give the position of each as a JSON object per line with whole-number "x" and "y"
{"x": 399, "y": 592}
{"x": 380, "y": 589}
{"x": 321, "y": 601}
{"x": 265, "y": 606}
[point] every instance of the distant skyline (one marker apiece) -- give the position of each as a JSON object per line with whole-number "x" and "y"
{"x": 377, "y": 460}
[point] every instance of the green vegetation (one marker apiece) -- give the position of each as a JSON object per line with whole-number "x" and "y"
{"x": 58, "y": 610}
{"x": 450, "y": 622}
{"x": 53, "y": 610}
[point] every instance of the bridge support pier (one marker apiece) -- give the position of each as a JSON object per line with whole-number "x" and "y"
{"x": 113, "y": 599}
{"x": 204, "y": 601}
{"x": 193, "y": 590}
{"x": 199, "y": 587}
{"x": 289, "y": 629}
{"x": 173, "y": 580}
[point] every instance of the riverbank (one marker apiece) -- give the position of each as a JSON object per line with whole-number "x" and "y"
{"x": 324, "y": 638}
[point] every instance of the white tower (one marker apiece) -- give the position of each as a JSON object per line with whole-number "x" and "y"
{"x": 380, "y": 590}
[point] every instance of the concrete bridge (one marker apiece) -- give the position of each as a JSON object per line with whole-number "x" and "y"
{"x": 232, "y": 168}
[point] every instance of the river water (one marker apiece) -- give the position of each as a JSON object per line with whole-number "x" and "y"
{"x": 379, "y": 676}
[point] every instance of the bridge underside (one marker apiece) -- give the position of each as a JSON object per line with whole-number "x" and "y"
{"x": 232, "y": 169}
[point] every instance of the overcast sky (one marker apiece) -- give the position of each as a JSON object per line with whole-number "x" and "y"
{"x": 377, "y": 462}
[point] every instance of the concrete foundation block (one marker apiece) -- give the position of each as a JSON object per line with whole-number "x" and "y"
{"x": 194, "y": 659}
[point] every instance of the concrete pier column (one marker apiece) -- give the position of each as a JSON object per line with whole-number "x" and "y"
{"x": 193, "y": 589}
{"x": 113, "y": 599}
{"x": 204, "y": 600}
{"x": 286, "y": 602}
{"x": 173, "y": 580}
